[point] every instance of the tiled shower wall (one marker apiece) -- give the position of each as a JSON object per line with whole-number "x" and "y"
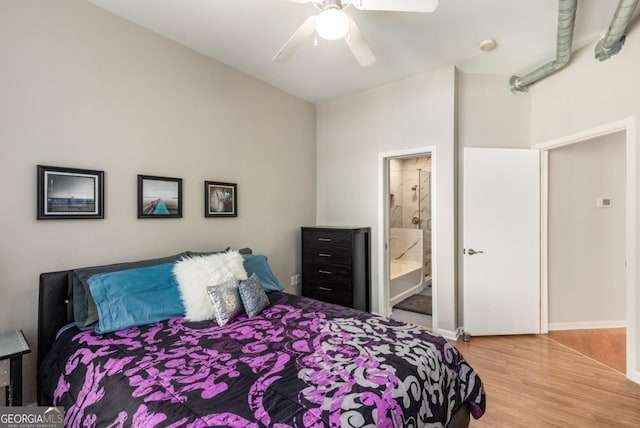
{"x": 410, "y": 201}
{"x": 406, "y": 244}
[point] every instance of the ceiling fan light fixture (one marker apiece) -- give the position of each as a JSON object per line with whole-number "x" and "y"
{"x": 332, "y": 24}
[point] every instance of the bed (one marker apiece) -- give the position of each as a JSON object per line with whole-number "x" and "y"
{"x": 299, "y": 363}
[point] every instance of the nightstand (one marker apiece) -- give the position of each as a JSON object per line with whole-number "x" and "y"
{"x": 13, "y": 346}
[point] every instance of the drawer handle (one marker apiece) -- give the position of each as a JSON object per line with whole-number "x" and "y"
{"x": 326, "y": 272}
{"x": 324, "y": 239}
{"x": 325, "y": 289}
{"x": 324, "y": 255}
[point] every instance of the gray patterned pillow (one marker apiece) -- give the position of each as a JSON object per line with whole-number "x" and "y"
{"x": 226, "y": 301}
{"x": 252, "y": 295}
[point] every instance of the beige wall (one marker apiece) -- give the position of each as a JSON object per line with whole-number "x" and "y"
{"x": 83, "y": 88}
{"x": 489, "y": 115}
{"x": 586, "y": 243}
{"x": 352, "y": 131}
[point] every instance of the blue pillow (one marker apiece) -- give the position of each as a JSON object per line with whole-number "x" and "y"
{"x": 85, "y": 313}
{"x": 134, "y": 297}
{"x": 256, "y": 263}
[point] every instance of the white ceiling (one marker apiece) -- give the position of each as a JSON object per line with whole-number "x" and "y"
{"x": 246, "y": 34}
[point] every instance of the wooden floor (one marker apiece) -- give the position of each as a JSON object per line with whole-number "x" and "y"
{"x": 532, "y": 381}
{"x": 607, "y": 345}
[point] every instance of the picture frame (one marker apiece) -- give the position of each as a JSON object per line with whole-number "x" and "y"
{"x": 69, "y": 193}
{"x": 220, "y": 199}
{"x": 159, "y": 197}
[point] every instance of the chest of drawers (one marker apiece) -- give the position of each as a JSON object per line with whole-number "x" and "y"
{"x": 336, "y": 265}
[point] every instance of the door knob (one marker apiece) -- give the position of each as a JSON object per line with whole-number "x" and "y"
{"x": 471, "y": 252}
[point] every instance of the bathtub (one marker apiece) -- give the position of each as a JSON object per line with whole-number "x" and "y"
{"x": 405, "y": 278}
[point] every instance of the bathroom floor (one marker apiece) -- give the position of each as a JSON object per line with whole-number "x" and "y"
{"x": 414, "y": 317}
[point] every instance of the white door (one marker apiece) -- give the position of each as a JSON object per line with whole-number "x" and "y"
{"x": 501, "y": 241}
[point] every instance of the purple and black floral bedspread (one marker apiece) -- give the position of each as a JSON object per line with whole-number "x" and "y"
{"x": 300, "y": 363}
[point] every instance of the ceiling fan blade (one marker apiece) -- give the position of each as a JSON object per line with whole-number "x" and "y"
{"x": 303, "y": 32}
{"x": 359, "y": 46}
{"x": 395, "y": 5}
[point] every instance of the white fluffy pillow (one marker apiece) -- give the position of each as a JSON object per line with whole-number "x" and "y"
{"x": 195, "y": 274}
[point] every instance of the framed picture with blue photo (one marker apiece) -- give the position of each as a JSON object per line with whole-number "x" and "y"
{"x": 69, "y": 193}
{"x": 220, "y": 199}
{"x": 159, "y": 197}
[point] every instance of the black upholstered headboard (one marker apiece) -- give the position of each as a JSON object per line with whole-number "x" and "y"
{"x": 55, "y": 308}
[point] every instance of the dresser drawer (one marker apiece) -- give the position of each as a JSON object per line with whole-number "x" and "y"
{"x": 329, "y": 294}
{"x": 327, "y": 238}
{"x": 328, "y": 275}
{"x": 326, "y": 254}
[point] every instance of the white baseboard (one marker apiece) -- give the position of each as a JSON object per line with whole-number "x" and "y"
{"x": 634, "y": 376}
{"x": 586, "y": 325}
{"x": 449, "y": 334}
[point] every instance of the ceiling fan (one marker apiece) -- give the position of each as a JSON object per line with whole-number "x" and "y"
{"x": 332, "y": 23}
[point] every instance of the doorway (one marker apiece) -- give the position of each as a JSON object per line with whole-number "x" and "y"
{"x": 586, "y": 251}
{"x": 626, "y": 131}
{"x": 409, "y": 277}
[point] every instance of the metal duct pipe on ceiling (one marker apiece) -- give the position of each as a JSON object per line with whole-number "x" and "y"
{"x": 566, "y": 24}
{"x": 611, "y": 43}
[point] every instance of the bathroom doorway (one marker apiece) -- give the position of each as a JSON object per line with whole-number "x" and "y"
{"x": 410, "y": 236}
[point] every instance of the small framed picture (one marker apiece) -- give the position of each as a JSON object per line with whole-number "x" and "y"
{"x": 220, "y": 199}
{"x": 69, "y": 193}
{"x": 159, "y": 197}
